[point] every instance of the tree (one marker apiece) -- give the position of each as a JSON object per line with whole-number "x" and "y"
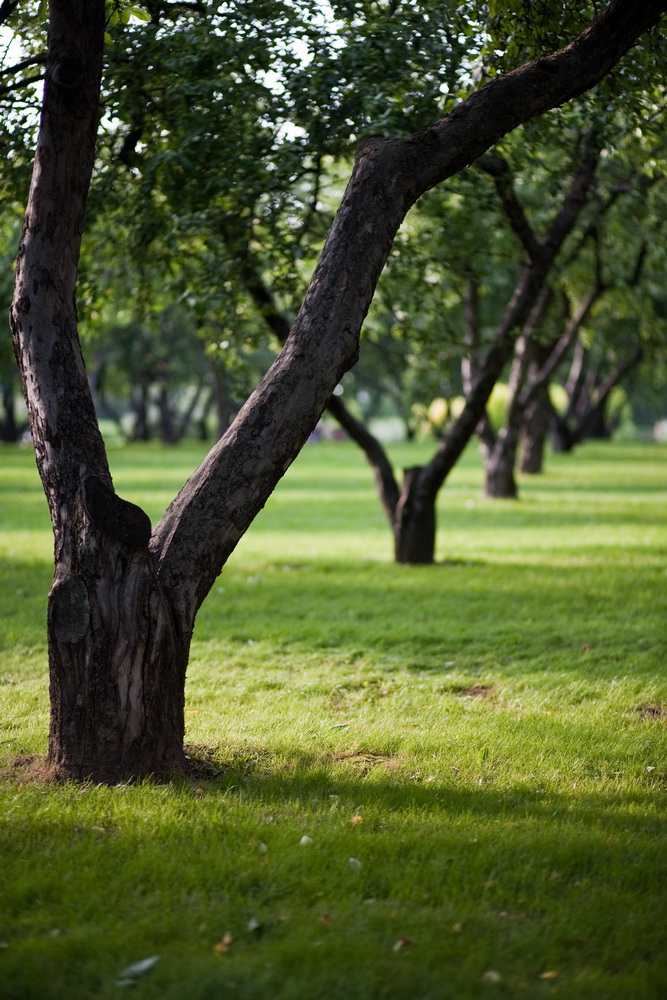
{"x": 124, "y": 598}
{"x": 602, "y": 275}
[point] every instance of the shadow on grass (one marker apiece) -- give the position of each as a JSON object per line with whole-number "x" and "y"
{"x": 310, "y": 778}
{"x": 576, "y": 619}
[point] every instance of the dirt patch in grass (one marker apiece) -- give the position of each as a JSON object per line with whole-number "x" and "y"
{"x": 28, "y": 767}
{"x": 205, "y": 761}
{"x": 653, "y": 710}
{"x": 364, "y": 760}
{"x": 477, "y": 691}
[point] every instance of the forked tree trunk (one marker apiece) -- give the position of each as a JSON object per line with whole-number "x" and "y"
{"x": 117, "y": 647}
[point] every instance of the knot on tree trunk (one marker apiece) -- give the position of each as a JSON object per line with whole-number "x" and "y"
{"x": 119, "y": 519}
{"x": 68, "y": 71}
{"x": 70, "y": 610}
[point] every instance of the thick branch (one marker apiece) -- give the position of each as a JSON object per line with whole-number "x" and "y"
{"x": 23, "y": 64}
{"x": 20, "y": 84}
{"x": 68, "y": 442}
{"x": 375, "y": 455}
{"x": 574, "y": 324}
{"x": 371, "y": 447}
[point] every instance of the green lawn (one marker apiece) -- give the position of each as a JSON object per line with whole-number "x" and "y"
{"x": 429, "y": 782}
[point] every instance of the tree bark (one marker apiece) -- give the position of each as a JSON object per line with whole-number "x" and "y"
{"x": 415, "y": 520}
{"x": 124, "y": 599}
{"x": 534, "y": 433}
{"x": 500, "y": 481}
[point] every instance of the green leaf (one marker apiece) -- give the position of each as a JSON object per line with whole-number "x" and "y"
{"x": 141, "y": 15}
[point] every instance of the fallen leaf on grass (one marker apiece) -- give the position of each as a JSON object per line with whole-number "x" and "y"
{"x": 549, "y": 974}
{"x": 356, "y": 819}
{"x": 492, "y": 977}
{"x": 354, "y": 863}
{"x": 129, "y": 975}
{"x": 223, "y": 945}
{"x": 401, "y": 944}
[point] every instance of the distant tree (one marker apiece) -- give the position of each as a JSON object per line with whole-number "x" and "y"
{"x": 595, "y": 279}
{"x": 125, "y": 595}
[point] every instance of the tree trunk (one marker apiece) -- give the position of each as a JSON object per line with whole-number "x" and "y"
{"x": 597, "y": 426}
{"x": 415, "y": 521}
{"x": 563, "y": 439}
{"x": 9, "y": 429}
{"x": 117, "y": 655}
{"x": 141, "y": 430}
{"x": 500, "y": 479}
{"x": 534, "y": 433}
{"x": 223, "y": 399}
{"x": 165, "y": 407}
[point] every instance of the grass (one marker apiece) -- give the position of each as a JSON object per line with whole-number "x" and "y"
{"x": 436, "y": 782}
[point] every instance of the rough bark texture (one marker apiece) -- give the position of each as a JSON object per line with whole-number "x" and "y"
{"x": 123, "y": 602}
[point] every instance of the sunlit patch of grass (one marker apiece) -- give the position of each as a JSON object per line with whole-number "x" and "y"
{"x": 406, "y": 783}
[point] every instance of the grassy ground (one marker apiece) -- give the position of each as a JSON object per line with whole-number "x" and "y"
{"x": 440, "y": 782}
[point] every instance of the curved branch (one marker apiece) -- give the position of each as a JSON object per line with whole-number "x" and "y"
{"x": 498, "y": 168}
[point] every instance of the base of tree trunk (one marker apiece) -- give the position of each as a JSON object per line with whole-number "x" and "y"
{"x": 500, "y": 483}
{"x": 534, "y": 435}
{"x": 562, "y": 440}
{"x": 415, "y": 523}
{"x": 117, "y": 660}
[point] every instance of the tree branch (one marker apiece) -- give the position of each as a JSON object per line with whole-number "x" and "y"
{"x": 497, "y": 167}
{"x": 369, "y": 444}
{"x": 20, "y": 84}
{"x": 23, "y": 64}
